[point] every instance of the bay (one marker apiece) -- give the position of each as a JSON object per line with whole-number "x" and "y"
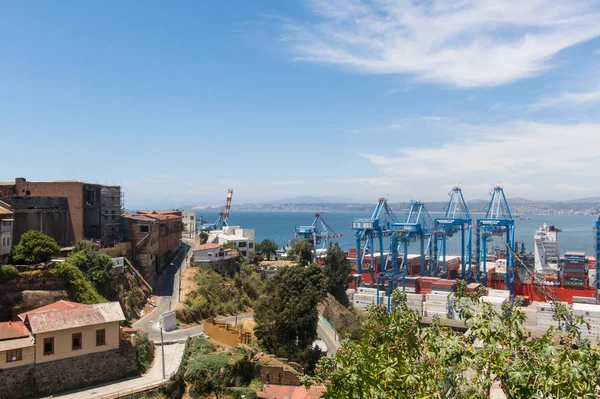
{"x": 577, "y": 231}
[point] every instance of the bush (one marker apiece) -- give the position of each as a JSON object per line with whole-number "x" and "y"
{"x": 80, "y": 288}
{"x": 144, "y": 349}
{"x": 7, "y": 273}
{"x": 34, "y": 247}
{"x": 240, "y": 392}
{"x": 96, "y": 266}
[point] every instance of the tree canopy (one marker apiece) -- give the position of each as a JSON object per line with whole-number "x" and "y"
{"x": 286, "y": 316}
{"x": 95, "y": 265}
{"x": 400, "y": 358}
{"x": 268, "y": 248}
{"x": 34, "y": 247}
{"x": 302, "y": 251}
{"x": 337, "y": 271}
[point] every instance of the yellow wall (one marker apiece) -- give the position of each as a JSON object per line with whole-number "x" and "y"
{"x": 63, "y": 341}
{"x": 27, "y": 358}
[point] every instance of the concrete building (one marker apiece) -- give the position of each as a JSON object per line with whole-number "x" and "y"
{"x": 50, "y": 215}
{"x": 189, "y": 224}
{"x": 155, "y": 236}
{"x": 6, "y": 232}
{"x": 210, "y": 253}
{"x": 84, "y": 203}
{"x": 143, "y": 232}
{"x": 58, "y": 331}
{"x": 243, "y": 239}
{"x": 111, "y": 205}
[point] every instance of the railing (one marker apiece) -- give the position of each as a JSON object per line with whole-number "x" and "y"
{"x": 133, "y": 391}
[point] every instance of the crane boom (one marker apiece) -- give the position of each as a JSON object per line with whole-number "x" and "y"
{"x": 228, "y": 205}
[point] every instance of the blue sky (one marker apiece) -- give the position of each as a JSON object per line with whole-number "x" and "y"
{"x": 356, "y": 98}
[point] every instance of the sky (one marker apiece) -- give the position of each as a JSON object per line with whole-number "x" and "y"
{"x": 179, "y": 101}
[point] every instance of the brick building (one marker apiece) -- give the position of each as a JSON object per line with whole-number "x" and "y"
{"x": 6, "y": 232}
{"x": 155, "y": 236}
{"x": 84, "y": 204}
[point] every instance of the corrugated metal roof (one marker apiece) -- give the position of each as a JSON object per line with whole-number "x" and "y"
{"x": 12, "y": 330}
{"x": 62, "y": 304}
{"x": 204, "y": 247}
{"x": 73, "y": 317}
{"x": 5, "y": 211}
{"x": 16, "y": 344}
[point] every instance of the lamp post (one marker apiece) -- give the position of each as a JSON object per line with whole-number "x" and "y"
{"x": 162, "y": 347}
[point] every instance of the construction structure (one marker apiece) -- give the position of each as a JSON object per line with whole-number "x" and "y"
{"x": 457, "y": 218}
{"x": 498, "y": 222}
{"x": 221, "y": 221}
{"x": 318, "y": 234}
{"x": 367, "y": 231}
{"x": 111, "y": 209}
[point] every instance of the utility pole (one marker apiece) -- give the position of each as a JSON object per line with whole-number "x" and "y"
{"x": 236, "y": 306}
{"x": 162, "y": 347}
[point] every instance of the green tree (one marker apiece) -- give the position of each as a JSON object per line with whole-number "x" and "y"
{"x": 399, "y": 358}
{"x": 96, "y": 266}
{"x": 337, "y": 270}
{"x": 34, "y": 247}
{"x": 301, "y": 250}
{"x": 316, "y": 276}
{"x": 268, "y": 248}
{"x": 203, "y": 237}
{"x": 286, "y": 316}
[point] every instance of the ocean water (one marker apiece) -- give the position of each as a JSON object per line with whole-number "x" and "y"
{"x": 577, "y": 231}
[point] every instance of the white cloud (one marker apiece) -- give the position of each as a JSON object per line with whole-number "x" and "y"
{"x": 572, "y": 189}
{"x": 529, "y": 159}
{"x": 569, "y": 98}
{"x": 464, "y": 43}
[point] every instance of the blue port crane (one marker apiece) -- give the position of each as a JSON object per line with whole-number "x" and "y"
{"x": 418, "y": 226}
{"x": 318, "y": 233}
{"x": 223, "y": 216}
{"x": 457, "y": 218}
{"x": 598, "y": 253}
{"x": 367, "y": 231}
{"x": 498, "y": 221}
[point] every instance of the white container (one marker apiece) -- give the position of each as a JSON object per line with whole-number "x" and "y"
{"x": 499, "y": 293}
{"x": 586, "y": 310}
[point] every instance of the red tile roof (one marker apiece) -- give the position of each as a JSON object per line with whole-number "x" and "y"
{"x": 290, "y": 392}
{"x": 205, "y": 247}
{"x": 62, "y": 304}
{"x": 12, "y": 330}
{"x": 41, "y": 321}
{"x": 143, "y": 218}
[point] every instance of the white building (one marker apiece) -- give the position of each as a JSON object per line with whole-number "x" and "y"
{"x": 189, "y": 224}
{"x": 243, "y": 239}
{"x": 6, "y": 234}
{"x": 208, "y": 253}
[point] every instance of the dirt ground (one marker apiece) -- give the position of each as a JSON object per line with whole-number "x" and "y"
{"x": 278, "y": 263}
{"x": 187, "y": 282}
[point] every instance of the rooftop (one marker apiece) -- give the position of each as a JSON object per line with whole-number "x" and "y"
{"x": 12, "y": 330}
{"x": 142, "y": 218}
{"x": 205, "y": 247}
{"x": 5, "y": 211}
{"x": 16, "y": 343}
{"x": 63, "y": 318}
{"x": 290, "y": 392}
{"x": 62, "y": 304}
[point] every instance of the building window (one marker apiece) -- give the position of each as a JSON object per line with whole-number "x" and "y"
{"x": 76, "y": 341}
{"x": 113, "y": 217}
{"x": 27, "y": 192}
{"x": 242, "y": 244}
{"x": 48, "y": 346}
{"x": 243, "y": 253}
{"x": 113, "y": 212}
{"x": 100, "y": 337}
{"x": 250, "y": 245}
{"x": 144, "y": 228}
{"x": 14, "y": 355}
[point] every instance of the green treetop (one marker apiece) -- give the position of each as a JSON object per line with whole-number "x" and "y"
{"x": 34, "y": 247}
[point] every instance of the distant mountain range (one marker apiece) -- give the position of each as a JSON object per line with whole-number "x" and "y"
{"x": 519, "y": 206}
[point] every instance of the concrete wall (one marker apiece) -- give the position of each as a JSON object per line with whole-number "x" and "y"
{"x": 225, "y": 333}
{"x": 27, "y": 354}
{"x": 63, "y": 342}
{"x": 68, "y": 374}
{"x": 46, "y": 214}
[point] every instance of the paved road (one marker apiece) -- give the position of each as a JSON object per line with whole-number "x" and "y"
{"x": 168, "y": 297}
{"x": 329, "y": 337}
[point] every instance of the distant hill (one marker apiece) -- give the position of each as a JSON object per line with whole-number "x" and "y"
{"x": 307, "y": 199}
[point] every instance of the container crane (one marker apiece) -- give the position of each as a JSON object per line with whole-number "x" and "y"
{"x": 367, "y": 230}
{"x": 223, "y": 216}
{"x": 317, "y": 233}
{"x": 457, "y": 218}
{"x": 498, "y": 221}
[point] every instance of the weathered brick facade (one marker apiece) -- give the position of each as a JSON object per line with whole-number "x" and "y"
{"x": 84, "y": 205}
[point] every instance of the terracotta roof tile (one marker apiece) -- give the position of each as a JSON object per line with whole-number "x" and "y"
{"x": 205, "y": 247}
{"x": 12, "y": 330}
{"x": 62, "y": 304}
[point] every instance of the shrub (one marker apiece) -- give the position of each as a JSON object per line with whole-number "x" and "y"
{"x": 144, "y": 349}
{"x": 34, "y": 247}
{"x": 7, "y": 273}
{"x": 80, "y": 288}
